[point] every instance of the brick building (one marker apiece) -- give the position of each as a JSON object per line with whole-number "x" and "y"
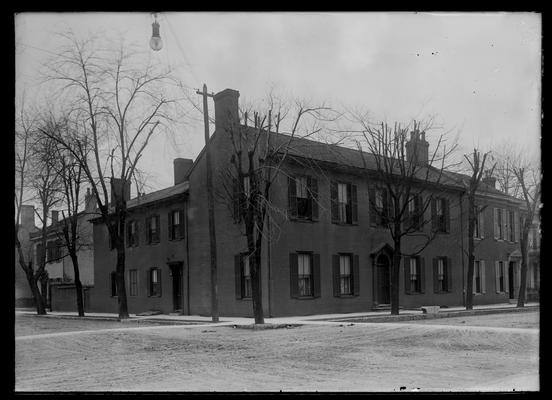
{"x": 331, "y": 253}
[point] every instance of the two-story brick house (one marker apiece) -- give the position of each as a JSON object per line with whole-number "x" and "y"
{"x": 331, "y": 252}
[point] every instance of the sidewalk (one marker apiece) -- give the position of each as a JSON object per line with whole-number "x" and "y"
{"x": 367, "y": 316}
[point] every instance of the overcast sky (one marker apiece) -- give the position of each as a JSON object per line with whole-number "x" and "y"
{"x": 478, "y": 73}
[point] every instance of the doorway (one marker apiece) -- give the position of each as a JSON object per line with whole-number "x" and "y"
{"x": 383, "y": 295}
{"x": 176, "y": 274}
{"x": 511, "y": 286}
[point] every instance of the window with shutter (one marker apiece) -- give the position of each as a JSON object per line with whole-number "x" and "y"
{"x": 133, "y": 282}
{"x": 334, "y": 202}
{"x": 155, "y": 282}
{"x": 294, "y": 279}
{"x": 304, "y": 275}
{"x": 245, "y": 277}
{"x": 345, "y": 274}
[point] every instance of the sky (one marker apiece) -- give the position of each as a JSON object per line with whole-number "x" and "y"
{"x": 477, "y": 74}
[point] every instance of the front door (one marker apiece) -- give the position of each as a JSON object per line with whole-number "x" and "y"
{"x": 382, "y": 279}
{"x": 511, "y": 285}
{"x": 176, "y": 273}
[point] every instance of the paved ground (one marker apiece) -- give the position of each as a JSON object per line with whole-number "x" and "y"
{"x": 323, "y": 356}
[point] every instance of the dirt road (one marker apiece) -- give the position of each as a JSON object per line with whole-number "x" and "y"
{"x": 361, "y": 357}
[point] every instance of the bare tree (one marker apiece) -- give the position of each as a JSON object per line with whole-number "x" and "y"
{"x": 258, "y": 152}
{"x": 71, "y": 177}
{"x": 408, "y": 177}
{"x": 477, "y": 168}
{"x": 26, "y": 184}
{"x": 118, "y": 102}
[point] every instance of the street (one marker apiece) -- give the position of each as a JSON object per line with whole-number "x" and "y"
{"x": 337, "y": 357}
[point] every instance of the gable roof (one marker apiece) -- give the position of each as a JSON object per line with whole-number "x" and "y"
{"x": 159, "y": 195}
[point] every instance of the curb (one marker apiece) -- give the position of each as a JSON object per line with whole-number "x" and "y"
{"x": 444, "y": 314}
{"x": 132, "y": 320}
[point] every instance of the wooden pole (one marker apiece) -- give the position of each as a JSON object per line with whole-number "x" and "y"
{"x": 211, "y": 208}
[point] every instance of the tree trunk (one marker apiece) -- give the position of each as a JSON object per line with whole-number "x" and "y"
{"x": 256, "y": 291}
{"x": 38, "y": 298}
{"x": 120, "y": 277}
{"x": 471, "y": 256}
{"x": 78, "y": 284}
{"x": 523, "y": 270}
{"x": 395, "y": 276}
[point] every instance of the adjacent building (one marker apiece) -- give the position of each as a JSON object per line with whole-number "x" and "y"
{"x": 61, "y": 293}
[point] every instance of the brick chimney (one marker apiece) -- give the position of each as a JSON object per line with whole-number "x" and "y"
{"x": 417, "y": 148}
{"x": 55, "y": 217}
{"x": 226, "y": 109}
{"x": 181, "y": 168}
{"x": 28, "y": 217}
{"x": 489, "y": 180}
{"x": 117, "y": 187}
{"x": 90, "y": 202}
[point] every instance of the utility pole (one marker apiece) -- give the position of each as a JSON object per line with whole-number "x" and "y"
{"x": 211, "y": 208}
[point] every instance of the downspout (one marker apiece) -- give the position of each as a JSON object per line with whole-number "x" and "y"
{"x": 462, "y": 249}
{"x": 187, "y": 255}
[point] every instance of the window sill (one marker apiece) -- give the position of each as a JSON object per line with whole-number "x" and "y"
{"x": 304, "y": 297}
{"x": 246, "y": 299}
{"x": 345, "y": 223}
{"x": 153, "y": 243}
{"x": 414, "y": 293}
{"x": 346, "y": 296}
{"x": 176, "y": 239}
{"x": 303, "y": 220}
{"x": 157, "y": 295}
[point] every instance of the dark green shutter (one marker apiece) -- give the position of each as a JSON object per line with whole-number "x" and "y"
{"x": 235, "y": 200}
{"x": 354, "y": 205}
{"x": 160, "y": 283}
{"x": 171, "y": 230}
{"x": 148, "y": 231}
{"x": 292, "y": 198}
{"x": 313, "y": 187}
{"x": 334, "y": 203}
{"x": 316, "y": 275}
{"x": 433, "y": 214}
{"x": 182, "y": 226}
{"x": 448, "y": 271}
{"x": 372, "y": 206}
{"x": 407, "y": 275}
{"x": 238, "y": 275}
{"x": 435, "y": 275}
{"x": 293, "y": 279}
{"x": 386, "y": 207}
{"x": 447, "y": 215}
{"x": 422, "y": 274}
{"x": 419, "y": 216}
{"x": 335, "y": 275}
{"x": 158, "y": 229}
{"x": 356, "y": 276}
{"x": 148, "y": 272}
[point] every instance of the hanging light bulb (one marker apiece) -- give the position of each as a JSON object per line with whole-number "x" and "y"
{"x": 156, "y": 43}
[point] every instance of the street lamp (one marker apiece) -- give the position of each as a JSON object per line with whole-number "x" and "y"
{"x": 156, "y": 43}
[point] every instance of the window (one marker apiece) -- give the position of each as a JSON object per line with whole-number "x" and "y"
{"x": 152, "y": 229}
{"x": 246, "y": 278}
{"x": 414, "y": 212}
{"x": 132, "y": 234}
{"x": 415, "y": 279}
{"x": 243, "y": 276}
{"x": 441, "y": 275}
{"x": 303, "y": 198}
{"x": 345, "y": 275}
{"x": 304, "y": 274}
{"x": 113, "y": 284}
{"x": 176, "y": 225}
{"x": 479, "y": 277}
{"x": 511, "y": 226}
{"x": 155, "y": 282}
{"x": 344, "y": 203}
{"x": 441, "y": 214}
{"x": 133, "y": 281}
{"x": 500, "y": 277}
{"x": 478, "y": 227}
{"x": 499, "y": 223}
